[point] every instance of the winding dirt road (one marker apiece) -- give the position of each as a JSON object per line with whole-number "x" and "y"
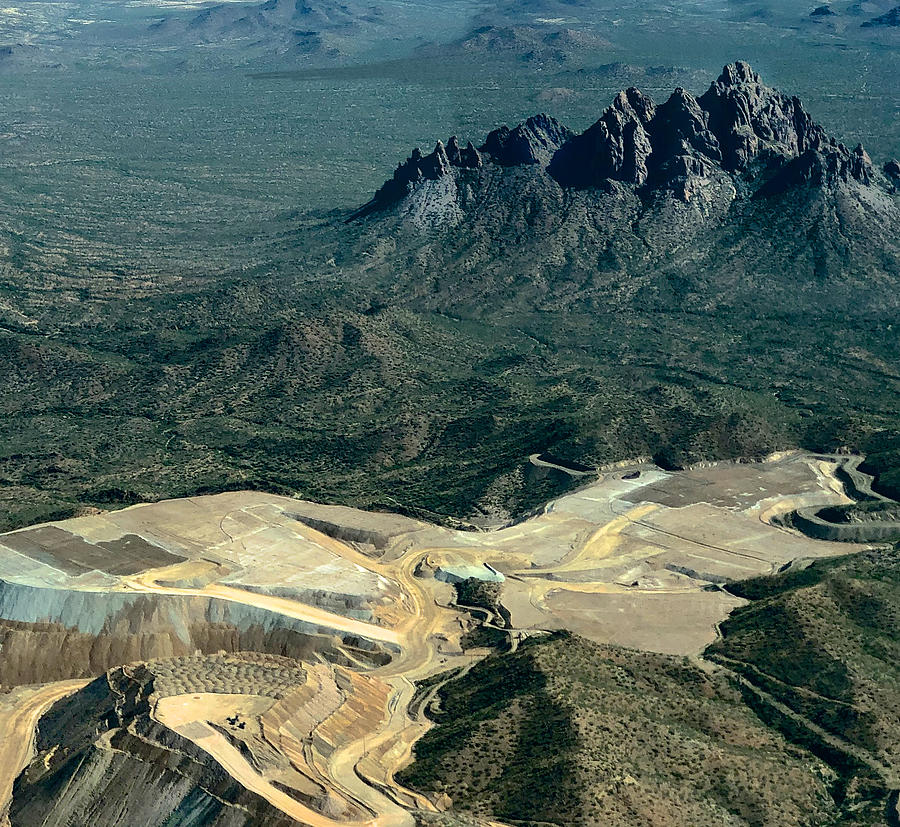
{"x": 147, "y": 582}
{"x": 369, "y": 782}
{"x": 364, "y": 761}
{"x": 185, "y": 715}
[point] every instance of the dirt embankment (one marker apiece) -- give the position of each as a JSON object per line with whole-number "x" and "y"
{"x": 19, "y": 713}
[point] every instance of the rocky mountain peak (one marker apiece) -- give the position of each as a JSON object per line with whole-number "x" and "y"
{"x": 681, "y": 127}
{"x": 737, "y": 123}
{"x": 634, "y": 105}
{"x": 532, "y": 142}
{"x": 441, "y": 161}
{"x": 419, "y": 167}
{"x": 468, "y": 157}
{"x": 750, "y": 119}
{"x": 737, "y": 73}
{"x": 616, "y": 147}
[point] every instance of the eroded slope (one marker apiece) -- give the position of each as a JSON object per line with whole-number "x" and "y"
{"x": 375, "y": 613}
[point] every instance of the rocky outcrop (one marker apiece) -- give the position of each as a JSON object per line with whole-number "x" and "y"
{"x": 676, "y": 146}
{"x": 752, "y": 121}
{"x": 817, "y": 168}
{"x": 418, "y": 168}
{"x": 617, "y": 147}
{"x": 702, "y": 201}
{"x": 532, "y": 142}
{"x": 890, "y": 19}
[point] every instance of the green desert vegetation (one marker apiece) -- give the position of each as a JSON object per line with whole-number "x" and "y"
{"x": 172, "y": 321}
{"x": 300, "y": 409}
{"x": 570, "y": 732}
{"x": 797, "y": 723}
{"x": 824, "y": 641}
{"x": 475, "y": 592}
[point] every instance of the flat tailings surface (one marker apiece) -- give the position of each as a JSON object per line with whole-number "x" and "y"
{"x": 72, "y": 554}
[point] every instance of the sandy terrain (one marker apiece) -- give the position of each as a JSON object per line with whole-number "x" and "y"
{"x": 634, "y": 557}
{"x": 149, "y": 582}
{"x": 190, "y": 716}
{"x": 20, "y": 711}
{"x": 669, "y": 623}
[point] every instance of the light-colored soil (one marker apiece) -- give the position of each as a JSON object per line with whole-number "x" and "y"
{"x": 20, "y": 711}
{"x": 628, "y": 561}
{"x": 188, "y": 715}
{"x": 667, "y": 623}
{"x": 148, "y": 582}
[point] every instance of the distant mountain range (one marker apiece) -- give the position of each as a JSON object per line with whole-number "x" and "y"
{"x": 887, "y": 20}
{"x": 299, "y": 26}
{"x": 533, "y": 43}
{"x": 875, "y": 14}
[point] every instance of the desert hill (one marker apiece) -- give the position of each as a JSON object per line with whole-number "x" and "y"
{"x": 704, "y": 277}
{"x": 813, "y": 655}
{"x": 568, "y": 732}
{"x": 822, "y": 639}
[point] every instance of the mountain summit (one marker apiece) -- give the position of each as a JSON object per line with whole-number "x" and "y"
{"x": 737, "y": 122}
{"x": 733, "y": 198}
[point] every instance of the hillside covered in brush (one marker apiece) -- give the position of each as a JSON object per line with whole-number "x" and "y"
{"x": 701, "y": 277}
{"x": 569, "y": 732}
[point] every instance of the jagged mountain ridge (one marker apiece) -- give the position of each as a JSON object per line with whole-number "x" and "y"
{"x": 731, "y": 197}
{"x": 738, "y": 120}
{"x": 479, "y": 315}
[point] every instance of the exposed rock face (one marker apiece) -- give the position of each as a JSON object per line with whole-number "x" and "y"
{"x": 52, "y": 634}
{"x": 677, "y": 146}
{"x": 751, "y": 121}
{"x": 709, "y": 201}
{"x": 887, "y": 20}
{"x": 617, "y": 147}
{"x": 819, "y": 168}
{"x": 419, "y": 167}
{"x": 467, "y": 158}
{"x": 533, "y": 142}
{"x": 102, "y": 760}
{"x": 822, "y": 11}
{"x": 892, "y": 169}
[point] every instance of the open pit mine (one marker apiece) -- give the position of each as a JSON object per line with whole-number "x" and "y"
{"x": 246, "y": 658}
